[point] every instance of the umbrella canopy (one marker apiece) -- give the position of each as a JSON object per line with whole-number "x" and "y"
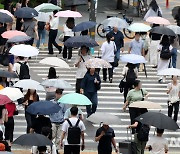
{"x": 29, "y": 84}
{"x": 175, "y": 28}
{"x": 84, "y": 26}
{"x": 48, "y": 7}
{"x": 12, "y": 33}
{"x": 78, "y": 41}
{"x": 145, "y": 104}
{"x": 97, "y": 63}
{"x": 5, "y": 18}
{"x": 75, "y": 2}
{"x": 17, "y": 39}
{"x": 54, "y": 61}
{"x": 115, "y": 22}
{"x": 4, "y": 99}
{"x": 24, "y": 50}
{"x": 68, "y": 13}
{"x": 13, "y": 93}
{"x": 105, "y": 118}
{"x": 26, "y": 12}
{"x": 6, "y": 12}
{"x": 75, "y": 99}
{"x": 57, "y": 83}
{"x": 158, "y": 120}
{"x": 162, "y": 30}
{"x": 32, "y": 139}
{"x": 158, "y": 20}
{"x": 170, "y": 72}
{"x": 139, "y": 27}
{"x": 175, "y": 11}
{"x": 8, "y": 74}
{"x": 133, "y": 59}
{"x": 6, "y": 152}
{"x": 43, "y": 108}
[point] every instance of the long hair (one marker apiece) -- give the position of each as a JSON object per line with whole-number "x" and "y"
{"x": 165, "y": 41}
{"x": 153, "y": 5}
{"x": 108, "y": 37}
{"x": 23, "y": 3}
{"x": 70, "y": 23}
{"x": 27, "y": 95}
{"x": 52, "y": 73}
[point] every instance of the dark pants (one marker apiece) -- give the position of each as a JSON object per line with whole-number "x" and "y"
{"x": 30, "y": 42}
{"x": 18, "y": 24}
{"x": 9, "y": 129}
{"x": 127, "y": 88}
{"x": 174, "y": 57}
{"x": 78, "y": 85}
{"x": 29, "y": 119}
{"x": 52, "y": 41}
{"x": 134, "y": 112}
{"x": 102, "y": 151}
{"x": 93, "y": 98}
{"x": 176, "y": 110}
{"x": 110, "y": 72}
{"x": 69, "y": 56}
{"x": 72, "y": 149}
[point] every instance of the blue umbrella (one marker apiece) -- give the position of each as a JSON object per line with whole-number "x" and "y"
{"x": 78, "y": 41}
{"x": 5, "y": 18}
{"x": 26, "y": 12}
{"x": 43, "y": 108}
{"x": 84, "y": 26}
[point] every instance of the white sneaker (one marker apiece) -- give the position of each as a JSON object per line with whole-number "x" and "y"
{"x": 69, "y": 60}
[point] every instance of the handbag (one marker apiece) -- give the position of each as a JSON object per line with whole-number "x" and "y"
{"x": 16, "y": 112}
{"x": 47, "y": 26}
{"x": 122, "y": 85}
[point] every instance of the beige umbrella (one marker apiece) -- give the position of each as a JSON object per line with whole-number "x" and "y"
{"x": 54, "y": 61}
{"x": 145, "y": 104}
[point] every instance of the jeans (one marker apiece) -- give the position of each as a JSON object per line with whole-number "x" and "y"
{"x": 52, "y": 41}
{"x": 93, "y": 98}
{"x": 42, "y": 35}
{"x": 69, "y": 56}
{"x": 29, "y": 119}
{"x": 9, "y": 129}
{"x": 174, "y": 106}
{"x": 110, "y": 72}
{"x": 117, "y": 54}
{"x": 72, "y": 149}
{"x": 174, "y": 57}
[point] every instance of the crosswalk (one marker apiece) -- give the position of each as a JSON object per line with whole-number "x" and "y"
{"x": 109, "y": 99}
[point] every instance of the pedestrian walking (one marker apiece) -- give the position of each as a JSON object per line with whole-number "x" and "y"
{"x": 30, "y": 97}
{"x": 3, "y": 117}
{"x": 89, "y": 86}
{"x": 136, "y": 94}
{"x": 108, "y": 49}
{"x": 174, "y": 43}
{"x": 57, "y": 119}
{"x": 177, "y": 18}
{"x": 54, "y": 24}
{"x": 174, "y": 95}
{"x": 105, "y": 136}
{"x": 73, "y": 132}
{"x": 158, "y": 144}
{"x": 68, "y": 33}
{"x": 42, "y": 34}
{"x": 83, "y": 56}
{"x": 165, "y": 54}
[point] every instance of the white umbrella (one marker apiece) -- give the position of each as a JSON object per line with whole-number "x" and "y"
{"x": 24, "y": 50}
{"x": 132, "y": 58}
{"x": 145, "y": 104}
{"x": 29, "y": 84}
{"x": 139, "y": 27}
{"x": 13, "y": 93}
{"x": 175, "y": 28}
{"x": 54, "y": 61}
{"x": 170, "y": 72}
{"x": 57, "y": 83}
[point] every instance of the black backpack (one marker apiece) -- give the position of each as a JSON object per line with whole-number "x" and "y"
{"x": 74, "y": 133}
{"x": 24, "y": 71}
{"x": 143, "y": 134}
{"x": 130, "y": 76}
{"x": 165, "y": 53}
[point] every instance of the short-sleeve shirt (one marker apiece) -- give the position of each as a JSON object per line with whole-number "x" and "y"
{"x": 174, "y": 93}
{"x": 106, "y": 140}
{"x": 158, "y": 144}
{"x": 136, "y": 47}
{"x": 135, "y": 95}
{"x": 65, "y": 127}
{"x": 68, "y": 113}
{"x": 29, "y": 28}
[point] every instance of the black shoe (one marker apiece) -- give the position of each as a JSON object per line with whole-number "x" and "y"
{"x": 60, "y": 49}
{"x": 110, "y": 80}
{"x": 154, "y": 66}
{"x": 160, "y": 80}
{"x": 50, "y": 53}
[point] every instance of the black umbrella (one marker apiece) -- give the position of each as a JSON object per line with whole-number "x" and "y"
{"x": 163, "y": 31}
{"x": 17, "y": 39}
{"x": 84, "y": 26}
{"x": 8, "y": 74}
{"x": 5, "y": 18}
{"x": 26, "y": 12}
{"x": 175, "y": 11}
{"x": 75, "y": 2}
{"x": 158, "y": 120}
{"x": 78, "y": 41}
{"x": 32, "y": 140}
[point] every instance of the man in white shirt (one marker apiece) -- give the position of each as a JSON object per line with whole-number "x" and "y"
{"x": 54, "y": 23}
{"x": 72, "y": 148}
{"x": 158, "y": 144}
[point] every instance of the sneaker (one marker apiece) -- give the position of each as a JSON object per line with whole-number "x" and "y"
{"x": 110, "y": 80}
{"x": 160, "y": 80}
{"x": 69, "y": 60}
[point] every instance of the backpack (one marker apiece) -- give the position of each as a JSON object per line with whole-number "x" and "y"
{"x": 74, "y": 133}
{"x": 24, "y": 71}
{"x": 41, "y": 25}
{"x": 143, "y": 134}
{"x": 165, "y": 53}
{"x": 130, "y": 76}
